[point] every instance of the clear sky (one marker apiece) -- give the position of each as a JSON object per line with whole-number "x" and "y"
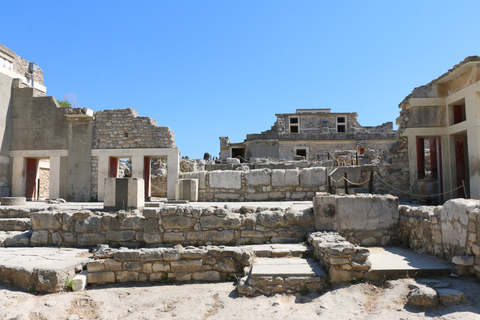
{"x": 208, "y": 68}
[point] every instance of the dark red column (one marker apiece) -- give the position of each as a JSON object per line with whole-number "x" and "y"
{"x": 113, "y": 168}
{"x": 421, "y": 158}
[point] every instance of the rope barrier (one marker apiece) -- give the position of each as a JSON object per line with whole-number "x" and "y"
{"x": 356, "y": 183}
{"x": 417, "y": 195}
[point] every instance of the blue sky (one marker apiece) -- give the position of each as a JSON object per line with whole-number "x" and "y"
{"x": 224, "y": 68}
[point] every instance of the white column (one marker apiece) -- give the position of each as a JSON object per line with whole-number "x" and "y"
{"x": 173, "y": 169}
{"x": 103, "y": 163}
{"x": 137, "y": 166}
{"x": 18, "y": 177}
{"x": 54, "y": 185}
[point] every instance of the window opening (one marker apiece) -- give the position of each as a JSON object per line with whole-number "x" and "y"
{"x": 293, "y": 125}
{"x": 341, "y": 124}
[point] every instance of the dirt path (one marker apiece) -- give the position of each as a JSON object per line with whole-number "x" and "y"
{"x": 220, "y": 301}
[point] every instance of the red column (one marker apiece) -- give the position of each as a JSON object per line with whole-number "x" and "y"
{"x": 146, "y": 176}
{"x": 433, "y": 157}
{"x": 31, "y": 179}
{"x": 421, "y": 158}
{"x": 113, "y": 168}
{"x": 457, "y": 114}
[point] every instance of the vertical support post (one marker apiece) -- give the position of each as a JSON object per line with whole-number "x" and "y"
{"x": 146, "y": 176}
{"x": 329, "y": 184}
{"x": 370, "y": 183}
{"x": 421, "y": 158}
{"x": 356, "y": 158}
{"x": 346, "y": 183}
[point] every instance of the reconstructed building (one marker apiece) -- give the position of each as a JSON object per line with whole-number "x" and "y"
{"x": 310, "y": 133}
{"x": 441, "y": 122}
{"x": 83, "y": 147}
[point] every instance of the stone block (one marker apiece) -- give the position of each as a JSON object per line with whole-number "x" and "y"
{"x": 133, "y": 265}
{"x": 80, "y": 281}
{"x": 90, "y": 224}
{"x": 90, "y": 239}
{"x": 96, "y": 265}
{"x": 161, "y": 266}
{"x": 151, "y": 213}
{"x": 45, "y": 220}
{"x": 152, "y": 255}
{"x": 423, "y": 297}
{"x": 113, "y": 265}
{"x": 282, "y": 178}
{"x": 464, "y": 260}
{"x": 101, "y": 277}
{"x": 224, "y": 236}
{"x": 150, "y": 238}
{"x": 39, "y": 237}
{"x": 120, "y": 236}
{"x": 126, "y": 276}
{"x": 206, "y": 276}
{"x": 186, "y": 265}
{"x": 173, "y": 237}
{"x": 258, "y": 177}
{"x": 178, "y": 222}
{"x": 186, "y": 189}
{"x": 124, "y": 193}
{"x": 313, "y": 177}
{"x": 13, "y": 201}
{"x": 450, "y": 296}
{"x": 225, "y": 179}
{"x": 214, "y": 222}
{"x": 133, "y": 223}
{"x": 270, "y": 219}
{"x": 127, "y": 255}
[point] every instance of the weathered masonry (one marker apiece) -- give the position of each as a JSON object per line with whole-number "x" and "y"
{"x": 83, "y": 147}
{"x": 310, "y": 133}
{"x": 440, "y": 120}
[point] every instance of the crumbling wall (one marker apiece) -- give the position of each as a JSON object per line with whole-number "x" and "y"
{"x": 170, "y": 225}
{"x": 123, "y": 129}
{"x": 259, "y": 184}
{"x": 169, "y": 264}
{"x": 343, "y": 260}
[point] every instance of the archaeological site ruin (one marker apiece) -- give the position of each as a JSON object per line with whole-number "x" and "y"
{"x": 316, "y": 200}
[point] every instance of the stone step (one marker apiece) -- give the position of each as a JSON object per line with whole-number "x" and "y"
{"x": 14, "y": 213}
{"x": 42, "y": 270}
{"x": 15, "y": 238}
{"x": 396, "y": 262}
{"x": 15, "y": 224}
{"x": 282, "y": 275}
{"x": 278, "y": 250}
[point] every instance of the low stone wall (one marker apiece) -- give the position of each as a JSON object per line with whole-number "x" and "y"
{"x": 171, "y": 225}
{"x": 259, "y": 184}
{"x": 169, "y": 264}
{"x": 365, "y": 219}
{"x": 451, "y": 231}
{"x": 343, "y": 260}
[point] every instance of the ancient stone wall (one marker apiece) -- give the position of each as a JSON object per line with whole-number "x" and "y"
{"x": 170, "y": 225}
{"x": 168, "y": 264}
{"x": 123, "y": 129}
{"x": 451, "y": 231}
{"x": 259, "y": 184}
{"x": 20, "y": 66}
{"x": 392, "y": 171}
{"x": 343, "y": 260}
{"x": 363, "y": 219}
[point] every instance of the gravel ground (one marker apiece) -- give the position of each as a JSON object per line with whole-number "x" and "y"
{"x": 221, "y": 301}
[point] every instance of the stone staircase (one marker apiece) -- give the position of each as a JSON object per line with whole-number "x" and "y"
{"x": 15, "y": 227}
{"x": 282, "y": 268}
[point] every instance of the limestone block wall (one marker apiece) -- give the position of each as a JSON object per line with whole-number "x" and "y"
{"x": 445, "y": 231}
{"x": 123, "y": 129}
{"x": 343, "y": 260}
{"x": 259, "y": 184}
{"x": 170, "y": 225}
{"x": 364, "y": 219}
{"x": 169, "y": 264}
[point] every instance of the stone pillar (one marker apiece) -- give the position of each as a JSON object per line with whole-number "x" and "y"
{"x": 18, "y": 177}
{"x": 173, "y": 169}
{"x": 472, "y": 105}
{"x": 473, "y": 139}
{"x": 54, "y": 186}
{"x": 137, "y": 166}
{"x": 412, "y": 164}
{"x": 103, "y": 164}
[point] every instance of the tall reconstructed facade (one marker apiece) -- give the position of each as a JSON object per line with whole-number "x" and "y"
{"x": 83, "y": 147}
